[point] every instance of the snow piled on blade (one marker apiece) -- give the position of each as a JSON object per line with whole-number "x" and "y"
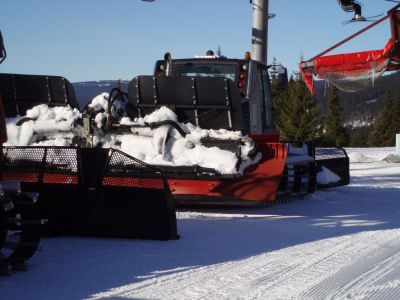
{"x": 164, "y": 145}
{"x": 161, "y": 114}
{"x": 44, "y": 126}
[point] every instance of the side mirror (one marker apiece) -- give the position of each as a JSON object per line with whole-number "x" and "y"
{"x": 3, "y": 52}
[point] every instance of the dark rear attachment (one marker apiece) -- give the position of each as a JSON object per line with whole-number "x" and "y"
{"x": 94, "y": 191}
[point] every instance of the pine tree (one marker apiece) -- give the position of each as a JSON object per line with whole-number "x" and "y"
{"x": 381, "y": 134}
{"x": 219, "y": 51}
{"x": 273, "y": 74}
{"x": 359, "y": 137}
{"x": 335, "y": 132}
{"x": 297, "y": 112}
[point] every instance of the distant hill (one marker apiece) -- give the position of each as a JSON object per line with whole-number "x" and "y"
{"x": 85, "y": 91}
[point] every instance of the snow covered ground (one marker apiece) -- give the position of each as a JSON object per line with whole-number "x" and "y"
{"x": 342, "y": 243}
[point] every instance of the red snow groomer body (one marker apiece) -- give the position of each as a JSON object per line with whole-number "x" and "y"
{"x": 216, "y": 92}
{"x": 211, "y": 93}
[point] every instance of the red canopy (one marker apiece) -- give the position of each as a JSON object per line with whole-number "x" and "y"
{"x": 358, "y": 65}
{"x": 347, "y": 65}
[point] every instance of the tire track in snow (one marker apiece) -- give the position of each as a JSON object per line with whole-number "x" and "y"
{"x": 335, "y": 254}
{"x": 169, "y": 286}
{"x": 289, "y": 273}
{"x": 377, "y": 275}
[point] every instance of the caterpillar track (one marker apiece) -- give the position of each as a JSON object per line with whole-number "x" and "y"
{"x": 20, "y": 228}
{"x": 298, "y": 179}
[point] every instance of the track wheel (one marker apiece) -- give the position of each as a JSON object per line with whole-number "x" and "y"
{"x": 20, "y": 230}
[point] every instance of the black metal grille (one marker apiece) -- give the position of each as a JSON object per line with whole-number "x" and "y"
{"x": 94, "y": 191}
{"x": 57, "y": 165}
{"x": 61, "y": 165}
{"x": 23, "y": 164}
{"x": 125, "y": 170}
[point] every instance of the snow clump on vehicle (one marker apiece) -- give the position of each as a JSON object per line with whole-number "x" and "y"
{"x": 62, "y": 126}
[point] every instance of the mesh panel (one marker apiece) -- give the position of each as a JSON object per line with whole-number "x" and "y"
{"x": 40, "y": 164}
{"x": 147, "y": 183}
{"x": 19, "y": 176}
{"x": 23, "y": 164}
{"x": 60, "y": 178}
{"x": 350, "y": 72}
{"x": 124, "y": 170}
{"x": 61, "y": 166}
{"x": 356, "y": 79}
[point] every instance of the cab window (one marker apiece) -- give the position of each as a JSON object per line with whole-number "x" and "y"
{"x": 205, "y": 70}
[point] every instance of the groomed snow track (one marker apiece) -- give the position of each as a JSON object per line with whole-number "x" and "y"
{"x": 334, "y": 270}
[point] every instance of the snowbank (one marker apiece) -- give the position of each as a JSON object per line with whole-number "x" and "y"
{"x": 366, "y": 155}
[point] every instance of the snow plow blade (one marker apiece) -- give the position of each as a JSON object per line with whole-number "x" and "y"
{"x": 208, "y": 102}
{"x": 258, "y": 185}
{"x": 94, "y": 191}
{"x": 22, "y": 92}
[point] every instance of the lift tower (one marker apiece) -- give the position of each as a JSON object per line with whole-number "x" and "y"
{"x": 259, "y": 38}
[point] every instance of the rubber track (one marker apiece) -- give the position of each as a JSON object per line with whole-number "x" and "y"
{"x": 298, "y": 179}
{"x": 20, "y": 229}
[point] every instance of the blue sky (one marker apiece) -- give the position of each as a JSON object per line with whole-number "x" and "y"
{"x": 111, "y": 39}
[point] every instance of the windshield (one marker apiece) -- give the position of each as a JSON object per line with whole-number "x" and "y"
{"x": 205, "y": 70}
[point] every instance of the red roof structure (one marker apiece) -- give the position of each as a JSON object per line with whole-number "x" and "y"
{"x": 353, "y": 71}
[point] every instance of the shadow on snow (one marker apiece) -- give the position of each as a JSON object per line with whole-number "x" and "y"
{"x": 81, "y": 267}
